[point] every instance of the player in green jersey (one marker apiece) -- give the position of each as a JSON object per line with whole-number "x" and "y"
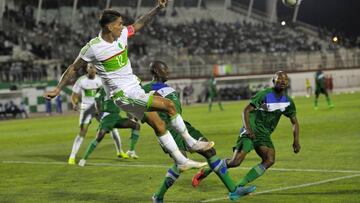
{"x": 110, "y": 119}
{"x": 321, "y": 89}
{"x": 260, "y": 118}
{"x": 160, "y": 73}
{"x": 213, "y": 94}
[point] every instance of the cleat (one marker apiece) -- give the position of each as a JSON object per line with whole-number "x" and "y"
{"x": 122, "y": 155}
{"x": 82, "y": 162}
{"x": 201, "y": 146}
{"x": 199, "y": 176}
{"x": 241, "y": 191}
{"x": 132, "y": 154}
{"x": 156, "y": 199}
{"x": 71, "y": 161}
{"x": 190, "y": 164}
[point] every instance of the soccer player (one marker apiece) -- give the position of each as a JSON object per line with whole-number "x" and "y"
{"x": 85, "y": 88}
{"x": 160, "y": 73}
{"x": 320, "y": 88}
{"x": 108, "y": 52}
{"x": 213, "y": 94}
{"x": 308, "y": 87}
{"x": 110, "y": 119}
{"x": 260, "y": 118}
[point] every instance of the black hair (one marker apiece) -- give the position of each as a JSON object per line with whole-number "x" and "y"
{"x": 156, "y": 65}
{"x": 109, "y": 16}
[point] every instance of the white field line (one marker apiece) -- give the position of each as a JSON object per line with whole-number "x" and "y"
{"x": 291, "y": 187}
{"x": 167, "y": 166}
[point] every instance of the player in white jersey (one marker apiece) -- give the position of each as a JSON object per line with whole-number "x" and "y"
{"x": 85, "y": 88}
{"x": 108, "y": 52}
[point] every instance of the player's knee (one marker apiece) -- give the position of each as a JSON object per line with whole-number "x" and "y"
{"x": 171, "y": 109}
{"x": 269, "y": 162}
{"x": 136, "y": 126}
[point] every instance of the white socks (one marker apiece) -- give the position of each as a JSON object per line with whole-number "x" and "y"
{"x": 178, "y": 123}
{"x": 76, "y": 146}
{"x": 168, "y": 142}
{"x": 117, "y": 140}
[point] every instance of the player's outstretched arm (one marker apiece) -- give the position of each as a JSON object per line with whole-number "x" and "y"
{"x": 69, "y": 74}
{"x": 140, "y": 22}
{"x": 75, "y": 100}
{"x": 246, "y": 120}
{"x": 295, "y": 128}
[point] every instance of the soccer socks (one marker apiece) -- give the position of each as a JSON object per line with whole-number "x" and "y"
{"x": 117, "y": 140}
{"x": 220, "y": 106}
{"x": 254, "y": 173}
{"x": 90, "y": 149}
{"x": 178, "y": 123}
{"x": 76, "y": 146}
{"x": 133, "y": 139}
{"x": 329, "y": 102}
{"x": 168, "y": 142}
{"x": 219, "y": 167}
{"x": 171, "y": 176}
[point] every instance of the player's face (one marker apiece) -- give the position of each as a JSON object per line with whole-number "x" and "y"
{"x": 163, "y": 74}
{"x": 91, "y": 71}
{"x": 116, "y": 27}
{"x": 281, "y": 81}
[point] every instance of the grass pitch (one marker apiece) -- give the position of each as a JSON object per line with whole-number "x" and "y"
{"x": 34, "y": 152}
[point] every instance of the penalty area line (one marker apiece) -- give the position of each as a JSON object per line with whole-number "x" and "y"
{"x": 292, "y": 187}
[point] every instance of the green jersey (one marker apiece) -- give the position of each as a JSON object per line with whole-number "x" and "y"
{"x": 268, "y": 109}
{"x": 167, "y": 92}
{"x": 212, "y": 87}
{"x": 106, "y": 104}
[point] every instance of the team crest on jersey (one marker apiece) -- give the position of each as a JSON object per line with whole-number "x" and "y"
{"x": 119, "y": 44}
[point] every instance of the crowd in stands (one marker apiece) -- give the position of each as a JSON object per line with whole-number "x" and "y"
{"x": 22, "y": 71}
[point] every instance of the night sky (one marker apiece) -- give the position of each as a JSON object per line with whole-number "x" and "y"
{"x": 338, "y": 16}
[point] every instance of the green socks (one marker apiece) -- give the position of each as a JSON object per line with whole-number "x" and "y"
{"x": 219, "y": 167}
{"x": 172, "y": 174}
{"x": 254, "y": 173}
{"x": 90, "y": 149}
{"x": 133, "y": 139}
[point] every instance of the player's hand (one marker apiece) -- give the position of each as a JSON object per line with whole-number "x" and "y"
{"x": 162, "y": 3}
{"x": 51, "y": 94}
{"x": 296, "y": 147}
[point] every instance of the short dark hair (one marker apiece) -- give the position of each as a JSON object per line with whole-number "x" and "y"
{"x": 108, "y": 16}
{"x": 155, "y": 65}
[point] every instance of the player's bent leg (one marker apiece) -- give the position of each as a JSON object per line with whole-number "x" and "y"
{"x": 166, "y": 105}
{"x": 93, "y": 144}
{"x": 168, "y": 142}
{"x": 267, "y": 155}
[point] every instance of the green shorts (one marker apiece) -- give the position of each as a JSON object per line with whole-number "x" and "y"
{"x": 243, "y": 143}
{"x": 196, "y": 134}
{"x": 111, "y": 120}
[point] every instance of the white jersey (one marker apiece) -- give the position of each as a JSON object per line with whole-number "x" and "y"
{"x": 87, "y": 88}
{"x": 111, "y": 61}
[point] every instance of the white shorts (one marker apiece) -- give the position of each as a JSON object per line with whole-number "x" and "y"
{"x": 134, "y": 101}
{"x": 86, "y": 114}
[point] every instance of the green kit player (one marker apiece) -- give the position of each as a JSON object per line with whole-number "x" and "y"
{"x": 110, "y": 119}
{"x": 320, "y": 88}
{"x": 260, "y": 119}
{"x": 160, "y": 73}
{"x": 213, "y": 94}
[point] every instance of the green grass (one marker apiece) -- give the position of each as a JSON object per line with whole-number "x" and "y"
{"x": 329, "y": 139}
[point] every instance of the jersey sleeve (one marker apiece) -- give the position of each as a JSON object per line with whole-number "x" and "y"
{"x": 77, "y": 87}
{"x": 258, "y": 99}
{"x": 87, "y": 53}
{"x": 290, "y": 111}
